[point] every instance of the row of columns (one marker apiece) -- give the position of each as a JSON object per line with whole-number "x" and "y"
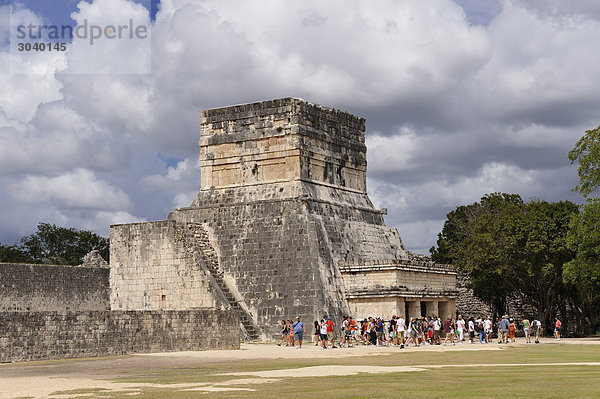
{"x": 416, "y": 308}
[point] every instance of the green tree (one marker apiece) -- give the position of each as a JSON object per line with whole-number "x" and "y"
{"x": 13, "y": 254}
{"x": 482, "y": 240}
{"x": 544, "y": 255}
{"x": 587, "y": 154}
{"x": 64, "y": 246}
{"x": 583, "y": 272}
{"x": 510, "y": 248}
{"x": 456, "y": 229}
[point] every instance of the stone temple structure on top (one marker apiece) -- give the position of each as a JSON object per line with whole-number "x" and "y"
{"x": 282, "y": 226}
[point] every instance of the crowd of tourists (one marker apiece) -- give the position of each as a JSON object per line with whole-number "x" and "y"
{"x": 416, "y": 331}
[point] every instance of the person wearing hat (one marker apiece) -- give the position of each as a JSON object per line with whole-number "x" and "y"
{"x": 299, "y": 331}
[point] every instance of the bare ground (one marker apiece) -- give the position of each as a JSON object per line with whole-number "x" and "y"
{"x": 47, "y": 378}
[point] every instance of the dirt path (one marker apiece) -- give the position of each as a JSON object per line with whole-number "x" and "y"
{"x": 41, "y": 379}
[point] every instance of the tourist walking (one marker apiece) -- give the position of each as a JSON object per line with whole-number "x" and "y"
{"x": 487, "y": 324}
{"x": 460, "y": 328}
{"x": 437, "y": 326}
{"x": 401, "y": 328}
{"x": 483, "y": 329}
{"x": 347, "y": 327}
{"x": 537, "y": 328}
{"x": 299, "y": 331}
{"x": 449, "y": 330}
{"x": 324, "y": 335}
{"x": 503, "y": 330}
{"x": 290, "y": 330}
{"x": 557, "y": 327}
{"x": 317, "y": 333}
{"x": 471, "y": 328}
{"x": 372, "y": 332}
{"x": 284, "y": 334}
{"x": 392, "y": 332}
{"x": 364, "y": 331}
{"x": 512, "y": 330}
{"x": 527, "y": 330}
{"x": 379, "y": 328}
{"x": 330, "y": 331}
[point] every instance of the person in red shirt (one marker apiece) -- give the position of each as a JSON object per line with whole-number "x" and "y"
{"x": 330, "y": 331}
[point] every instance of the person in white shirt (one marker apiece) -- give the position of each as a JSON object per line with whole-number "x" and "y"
{"x": 437, "y": 327}
{"x": 401, "y": 325}
{"x": 488, "y": 329}
{"x": 460, "y": 328}
{"x": 324, "y": 334}
{"x": 471, "y": 328}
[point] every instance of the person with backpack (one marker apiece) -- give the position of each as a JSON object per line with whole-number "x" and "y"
{"x": 489, "y": 331}
{"x": 537, "y": 327}
{"x": 347, "y": 330}
{"x": 392, "y": 332}
{"x": 380, "y": 334}
{"x": 471, "y": 329}
{"x": 483, "y": 332}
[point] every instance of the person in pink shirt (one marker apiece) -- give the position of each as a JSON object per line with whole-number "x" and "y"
{"x": 557, "y": 327}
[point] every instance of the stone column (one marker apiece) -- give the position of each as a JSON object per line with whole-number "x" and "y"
{"x": 414, "y": 308}
{"x": 452, "y": 307}
{"x": 400, "y": 306}
{"x": 444, "y": 311}
{"x": 432, "y": 308}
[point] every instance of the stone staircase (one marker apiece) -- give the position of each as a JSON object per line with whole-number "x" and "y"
{"x": 197, "y": 243}
{"x": 251, "y": 331}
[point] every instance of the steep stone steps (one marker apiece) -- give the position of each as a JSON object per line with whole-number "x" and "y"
{"x": 197, "y": 242}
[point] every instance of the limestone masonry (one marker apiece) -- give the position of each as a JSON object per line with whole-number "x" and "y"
{"x": 27, "y": 288}
{"x": 282, "y": 226}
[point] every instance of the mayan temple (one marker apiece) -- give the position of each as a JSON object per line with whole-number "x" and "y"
{"x": 282, "y": 226}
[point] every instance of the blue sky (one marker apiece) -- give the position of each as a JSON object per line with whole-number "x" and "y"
{"x": 58, "y": 12}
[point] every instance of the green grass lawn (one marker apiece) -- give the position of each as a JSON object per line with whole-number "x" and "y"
{"x": 530, "y": 381}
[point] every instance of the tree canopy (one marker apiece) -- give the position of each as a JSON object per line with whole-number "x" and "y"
{"x": 55, "y": 245}
{"x": 510, "y": 248}
{"x": 582, "y": 274}
{"x": 587, "y": 154}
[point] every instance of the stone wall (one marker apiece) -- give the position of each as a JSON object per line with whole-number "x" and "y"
{"x": 284, "y": 201}
{"x": 469, "y": 305}
{"x": 56, "y": 335}
{"x": 27, "y": 287}
{"x": 282, "y": 140}
{"x": 151, "y": 268}
{"x": 408, "y": 280}
{"x": 410, "y": 287}
{"x": 280, "y": 244}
